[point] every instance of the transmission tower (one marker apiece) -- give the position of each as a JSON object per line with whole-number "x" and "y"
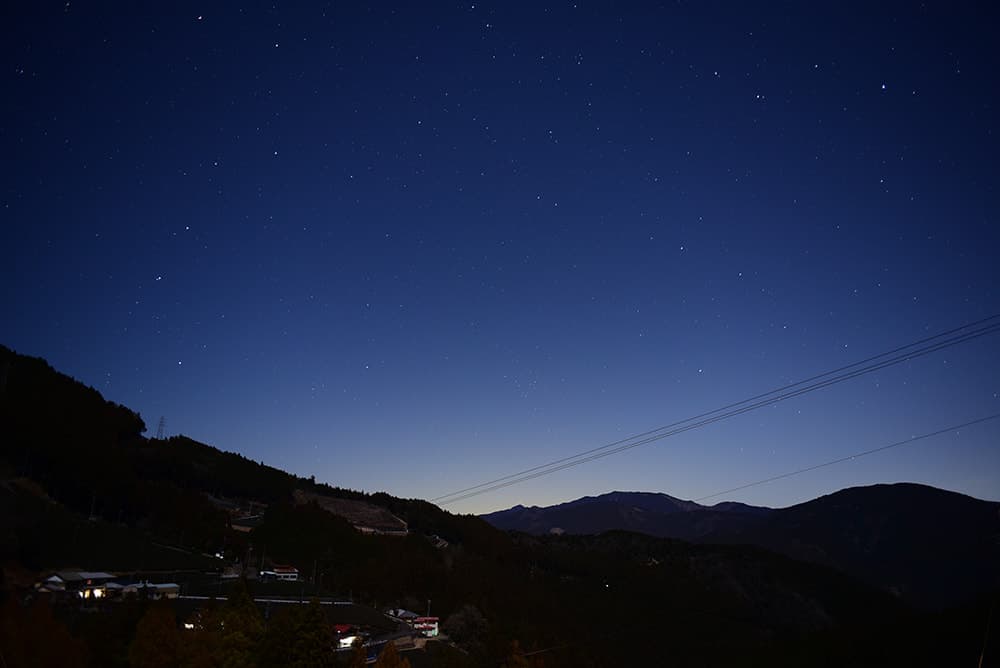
{"x": 160, "y": 428}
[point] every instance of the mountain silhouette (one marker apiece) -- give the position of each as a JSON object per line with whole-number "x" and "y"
{"x": 930, "y": 546}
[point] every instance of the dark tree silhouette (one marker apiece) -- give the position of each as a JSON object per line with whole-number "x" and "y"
{"x": 156, "y": 639}
{"x": 389, "y": 658}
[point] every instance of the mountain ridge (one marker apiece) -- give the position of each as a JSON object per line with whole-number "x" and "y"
{"x": 931, "y": 546}
{"x": 152, "y": 503}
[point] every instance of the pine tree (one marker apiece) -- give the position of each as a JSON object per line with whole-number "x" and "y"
{"x": 390, "y": 658}
{"x": 241, "y": 629}
{"x": 313, "y": 642}
{"x": 279, "y": 640}
{"x": 359, "y": 657}
{"x": 156, "y": 639}
{"x": 200, "y": 645}
{"x": 32, "y": 637}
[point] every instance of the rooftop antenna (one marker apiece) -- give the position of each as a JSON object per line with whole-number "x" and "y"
{"x": 160, "y": 428}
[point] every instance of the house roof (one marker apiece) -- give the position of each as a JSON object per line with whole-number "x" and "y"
{"x": 81, "y": 576}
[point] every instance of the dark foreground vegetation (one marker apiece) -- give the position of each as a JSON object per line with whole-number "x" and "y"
{"x": 82, "y": 487}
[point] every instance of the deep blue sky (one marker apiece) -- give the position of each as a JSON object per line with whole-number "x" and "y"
{"x": 415, "y": 248}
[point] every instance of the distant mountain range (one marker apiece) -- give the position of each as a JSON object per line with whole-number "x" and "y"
{"x": 644, "y": 512}
{"x": 930, "y": 546}
{"x": 80, "y": 485}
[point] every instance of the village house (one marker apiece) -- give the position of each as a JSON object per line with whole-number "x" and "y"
{"x": 151, "y": 590}
{"x": 82, "y": 584}
{"x": 280, "y": 572}
{"x": 92, "y": 586}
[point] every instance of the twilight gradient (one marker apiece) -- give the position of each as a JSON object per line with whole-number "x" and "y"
{"x": 417, "y": 247}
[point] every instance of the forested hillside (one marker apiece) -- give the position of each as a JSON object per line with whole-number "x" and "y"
{"x": 85, "y": 488}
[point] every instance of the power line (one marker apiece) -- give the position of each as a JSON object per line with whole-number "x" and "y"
{"x": 897, "y": 355}
{"x": 630, "y": 443}
{"x": 723, "y": 408}
{"x": 856, "y": 455}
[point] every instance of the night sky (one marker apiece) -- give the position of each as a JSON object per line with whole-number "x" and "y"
{"x": 414, "y": 248}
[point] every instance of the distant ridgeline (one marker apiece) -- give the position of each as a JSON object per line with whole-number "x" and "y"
{"x": 83, "y": 489}
{"x": 89, "y": 455}
{"x": 930, "y": 546}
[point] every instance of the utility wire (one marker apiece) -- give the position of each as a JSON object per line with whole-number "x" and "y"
{"x": 895, "y": 356}
{"x": 912, "y": 439}
{"x": 723, "y": 408}
{"x": 580, "y": 459}
{"x": 856, "y": 455}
